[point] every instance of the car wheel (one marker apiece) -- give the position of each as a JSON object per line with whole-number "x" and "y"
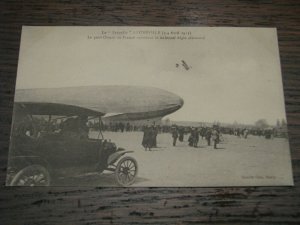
{"x": 126, "y": 171}
{"x": 34, "y": 175}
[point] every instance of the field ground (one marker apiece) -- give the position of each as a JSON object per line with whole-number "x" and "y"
{"x": 237, "y": 162}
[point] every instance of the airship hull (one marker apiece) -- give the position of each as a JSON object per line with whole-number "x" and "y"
{"x": 117, "y": 102}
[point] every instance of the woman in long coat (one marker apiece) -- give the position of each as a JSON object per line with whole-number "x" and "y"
{"x": 146, "y": 142}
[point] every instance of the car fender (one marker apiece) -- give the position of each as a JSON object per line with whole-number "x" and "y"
{"x": 115, "y": 156}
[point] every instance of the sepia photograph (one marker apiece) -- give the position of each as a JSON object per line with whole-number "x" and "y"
{"x": 149, "y": 107}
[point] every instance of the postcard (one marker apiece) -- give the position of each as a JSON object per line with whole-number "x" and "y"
{"x": 149, "y": 107}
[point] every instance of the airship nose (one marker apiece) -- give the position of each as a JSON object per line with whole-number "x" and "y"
{"x": 180, "y": 102}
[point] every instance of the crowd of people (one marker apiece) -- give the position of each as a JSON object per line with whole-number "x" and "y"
{"x": 79, "y": 127}
{"x": 239, "y": 131}
{"x": 150, "y": 133}
{"x": 210, "y": 134}
{"x": 129, "y": 127}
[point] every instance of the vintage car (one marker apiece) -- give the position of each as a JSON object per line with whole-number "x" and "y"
{"x": 41, "y": 153}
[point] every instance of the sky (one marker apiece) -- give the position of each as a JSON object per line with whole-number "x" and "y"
{"x": 234, "y": 73}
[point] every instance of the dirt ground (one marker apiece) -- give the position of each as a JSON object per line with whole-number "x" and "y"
{"x": 236, "y": 162}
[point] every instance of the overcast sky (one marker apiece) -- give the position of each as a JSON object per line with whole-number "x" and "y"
{"x": 234, "y": 75}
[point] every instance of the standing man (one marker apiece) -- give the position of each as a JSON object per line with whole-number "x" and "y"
{"x": 181, "y": 134}
{"x": 202, "y": 132}
{"x": 191, "y": 137}
{"x": 208, "y": 136}
{"x": 195, "y": 137}
{"x": 174, "y": 135}
{"x": 246, "y": 132}
{"x": 215, "y": 137}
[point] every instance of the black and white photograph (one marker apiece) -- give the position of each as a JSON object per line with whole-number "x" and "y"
{"x": 149, "y": 107}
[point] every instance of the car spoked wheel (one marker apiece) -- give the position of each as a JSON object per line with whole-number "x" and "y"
{"x": 34, "y": 175}
{"x": 126, "y": 171}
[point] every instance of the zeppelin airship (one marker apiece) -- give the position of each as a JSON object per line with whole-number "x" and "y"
{"x": 115, "y": 103}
